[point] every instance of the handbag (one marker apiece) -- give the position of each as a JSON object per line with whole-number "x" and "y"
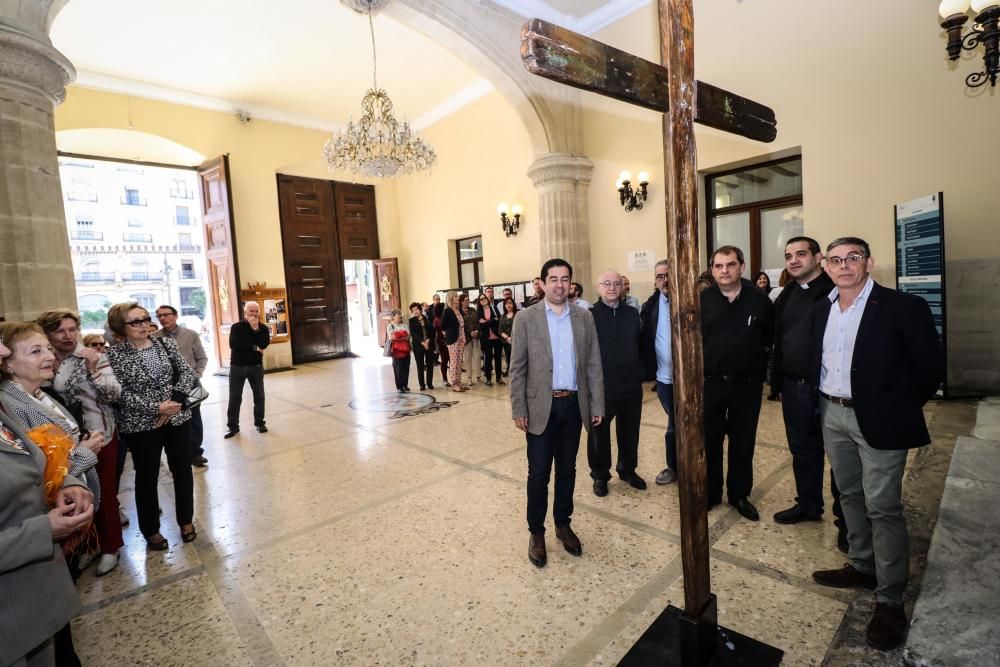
{"x": 195, "y": 396}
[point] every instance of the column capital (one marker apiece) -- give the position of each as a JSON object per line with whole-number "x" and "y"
{"x": 560, "y": 168}
{"x": 29, "y": 62}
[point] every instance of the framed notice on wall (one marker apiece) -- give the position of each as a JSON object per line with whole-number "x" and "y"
{"x": 920, "y": 261}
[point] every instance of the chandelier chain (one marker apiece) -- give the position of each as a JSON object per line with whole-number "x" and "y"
{"x": 371, "y": 27}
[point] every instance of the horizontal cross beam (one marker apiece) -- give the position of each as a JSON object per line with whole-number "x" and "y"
{"x": 573, "y": 59}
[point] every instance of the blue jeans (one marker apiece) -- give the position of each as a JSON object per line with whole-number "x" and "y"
{"x": 665, "y": 392}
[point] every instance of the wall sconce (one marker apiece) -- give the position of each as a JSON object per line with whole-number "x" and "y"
{"x": 629, "y": 198}
{"x": 985, "y": 31}
{"x": 510, "y": 224}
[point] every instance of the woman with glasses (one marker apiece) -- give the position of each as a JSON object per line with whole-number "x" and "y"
{"x": 152, "y": 413}
{"x": 84, "y": 381}
{"x": 505, "y": 329}
{"x": 94, "y": 342}
{"x": 489, "y": 338}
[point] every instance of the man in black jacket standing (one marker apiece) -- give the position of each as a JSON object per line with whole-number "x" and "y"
{"x": 247, "y": 340}
{"x": 795, "y": 377}
{"x": 618, "y": 337}
{"x": 880, "y": 360}
{"x": 736, "y": 327}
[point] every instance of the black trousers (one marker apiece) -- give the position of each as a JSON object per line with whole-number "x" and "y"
{"x": 626, "y": 414}
{"x": 197, "y": 432}
{"x": 493, "y": 356}
{"x": 425, "y": 365}
{"x": 559, "y": 442}
{"x": 506, "y": 353}
{"x": 401, "y": 371}
{"x": 800, "y": 409}
{"x": 732, "y": 408}
{"x": 237, "y": 376}
{"x": 146, "y": 448}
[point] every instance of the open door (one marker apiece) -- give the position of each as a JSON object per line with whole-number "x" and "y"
{"x": 387, "y": 289}
{"x": 220, "y": 251}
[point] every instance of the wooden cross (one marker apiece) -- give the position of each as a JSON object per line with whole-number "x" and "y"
{"x": 567, "y": 57}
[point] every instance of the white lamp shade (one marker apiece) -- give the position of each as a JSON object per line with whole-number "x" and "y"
{"x": 516, "y": 209}
{"x": 502, "y": 208}
{"x": 951, "y": 7}
{"x": 618, "y": 184}
{"x": 980, "y": 5}
{"x": 625, "y": 176}
{"x": 644, "y": 177}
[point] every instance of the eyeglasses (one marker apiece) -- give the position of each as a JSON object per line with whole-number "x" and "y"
{"x": 850, "y": 260}
{"x": 610, "y": 283}
{"x": 96, "y": 346}
{"x": 661, "y": 276}
{"x": 139, "y": 323}
{"x": 160, "y": 316}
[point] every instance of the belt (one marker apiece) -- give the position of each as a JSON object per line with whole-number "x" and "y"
{"x": 563, "y": 393}
{"x": 733, "y": 378}
{"x": 846, "y": 402}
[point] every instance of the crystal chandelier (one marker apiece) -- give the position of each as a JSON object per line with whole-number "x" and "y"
{"x": 378, "y": 145}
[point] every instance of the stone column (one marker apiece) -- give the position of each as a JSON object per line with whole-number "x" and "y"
{"x": 36, "y": 271}
{"x": 562, "y": 181}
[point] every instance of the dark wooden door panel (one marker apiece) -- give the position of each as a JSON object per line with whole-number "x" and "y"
{"x": 387, "y": 289}
{"x": 356, "y": 220}
{"x": 314, "y": 269}
{"x": 220, "y": 251}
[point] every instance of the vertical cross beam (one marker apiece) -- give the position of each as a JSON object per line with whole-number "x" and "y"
{"x": 680, "y": 167}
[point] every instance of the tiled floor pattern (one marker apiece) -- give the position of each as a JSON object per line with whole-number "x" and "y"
{"x": 348, "y": 538}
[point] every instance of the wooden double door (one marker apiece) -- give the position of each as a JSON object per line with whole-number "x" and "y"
{"x": 323, "y": 223}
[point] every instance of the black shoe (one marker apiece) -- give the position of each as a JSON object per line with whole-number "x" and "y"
{"x": 600, "y": 487}
{"x": 746, "y": 510}
{"x": 887, "y": 629}
{"x": 795, "y": 514}
{"x": 634, "y": 481}
{"x": 845, "y": 577}
{"x": 261, "y": 428}
{"x": 423, "y": 389}
{"x": 230, "y": 433}
{"x": 488, "y": 383}
{"x": 199, "y": 461}
{"x": 431, "y": 387}
{"x": 569, "y": 539}
{"x": 713, "y": 503}
{"x": 536, "y": 549}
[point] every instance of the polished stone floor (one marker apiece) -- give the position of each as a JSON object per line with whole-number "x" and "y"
{"x": 354, "y": 536}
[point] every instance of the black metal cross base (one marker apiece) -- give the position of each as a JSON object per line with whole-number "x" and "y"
{"x": 675, "y": 639}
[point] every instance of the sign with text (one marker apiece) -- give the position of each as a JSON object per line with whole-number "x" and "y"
{"x": 640, "y": 260}
{"x": 920, "y": 262}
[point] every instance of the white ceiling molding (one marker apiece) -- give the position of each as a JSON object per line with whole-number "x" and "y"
{"x": 150, "y": 91}
{"x": 608, "y": 14}
{"x": 539, "y": 10}
{"x": 462, "y": 98}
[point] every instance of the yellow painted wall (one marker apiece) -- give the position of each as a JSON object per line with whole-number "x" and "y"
{"x": 880, "y": 118}
{"x": 483, "y": 154}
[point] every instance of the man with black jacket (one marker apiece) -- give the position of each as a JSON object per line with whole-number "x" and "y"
{"x": 737, "y": 322}
{"x": 247, "y": 340}
{"x": 618, "y": 337}
{"x": 795, "y": 377}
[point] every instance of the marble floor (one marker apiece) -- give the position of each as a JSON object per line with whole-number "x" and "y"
{"x": 351, "y": 535}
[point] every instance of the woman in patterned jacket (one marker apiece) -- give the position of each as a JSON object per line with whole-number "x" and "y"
{"x": 152, "y": 413}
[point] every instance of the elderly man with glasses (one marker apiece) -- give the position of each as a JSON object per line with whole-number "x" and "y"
{"x": 189, "y": 344}
{"x": 880, "y": 360}
{"x": 618, "y": 337}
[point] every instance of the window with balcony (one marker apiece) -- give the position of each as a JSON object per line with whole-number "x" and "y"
{"x": 84, "y": 229}
{"x": 135, "y": 222}
{"x": 187, "y": 269}
{"x": 81, "y": 195}
{"x": 180, "y": 189}
{"x": 182, "y": 216}
{"x": 184, "y": 241}
{"x": 132, "y": 198}
{"x": 145, "y": 300}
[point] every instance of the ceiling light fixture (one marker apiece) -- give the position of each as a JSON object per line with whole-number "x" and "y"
{"x": 378, "y": 145}
{"x": 985, "y": 31}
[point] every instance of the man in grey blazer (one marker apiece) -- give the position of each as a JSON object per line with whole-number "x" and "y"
{"x": 556, "y": 387}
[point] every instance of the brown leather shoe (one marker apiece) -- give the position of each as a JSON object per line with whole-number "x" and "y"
{"x": 569, "y": 540}
{"x": 536, "y": 549}
{"x": 887, "y": 629}
{"x": 845, "y": 577}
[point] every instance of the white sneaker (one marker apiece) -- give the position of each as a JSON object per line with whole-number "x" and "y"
{"x": 106, "y": 563}
{"x": 85, "y": 561}
{"x": 666, "y": 476}
{"x": 122, "y": 516}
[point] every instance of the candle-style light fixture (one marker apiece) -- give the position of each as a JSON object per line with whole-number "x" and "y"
{"x": 510, "y": 218}
{"x": 985, "y": 31}
{"x": 628, "y": 197}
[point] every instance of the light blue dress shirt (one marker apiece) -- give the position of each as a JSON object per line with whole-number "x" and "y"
{"x": 838, "y": 343}
{"x": 563, "y": 352}
{"x": 664, "y": 353}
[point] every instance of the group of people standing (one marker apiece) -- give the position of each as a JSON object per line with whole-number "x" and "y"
{"x": 853, "y": 364}
{"x": 70, "y": 411}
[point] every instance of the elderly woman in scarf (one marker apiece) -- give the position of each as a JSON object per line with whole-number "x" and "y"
{"x": 37, "y": 510}
{"x": 87, "y": 385}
